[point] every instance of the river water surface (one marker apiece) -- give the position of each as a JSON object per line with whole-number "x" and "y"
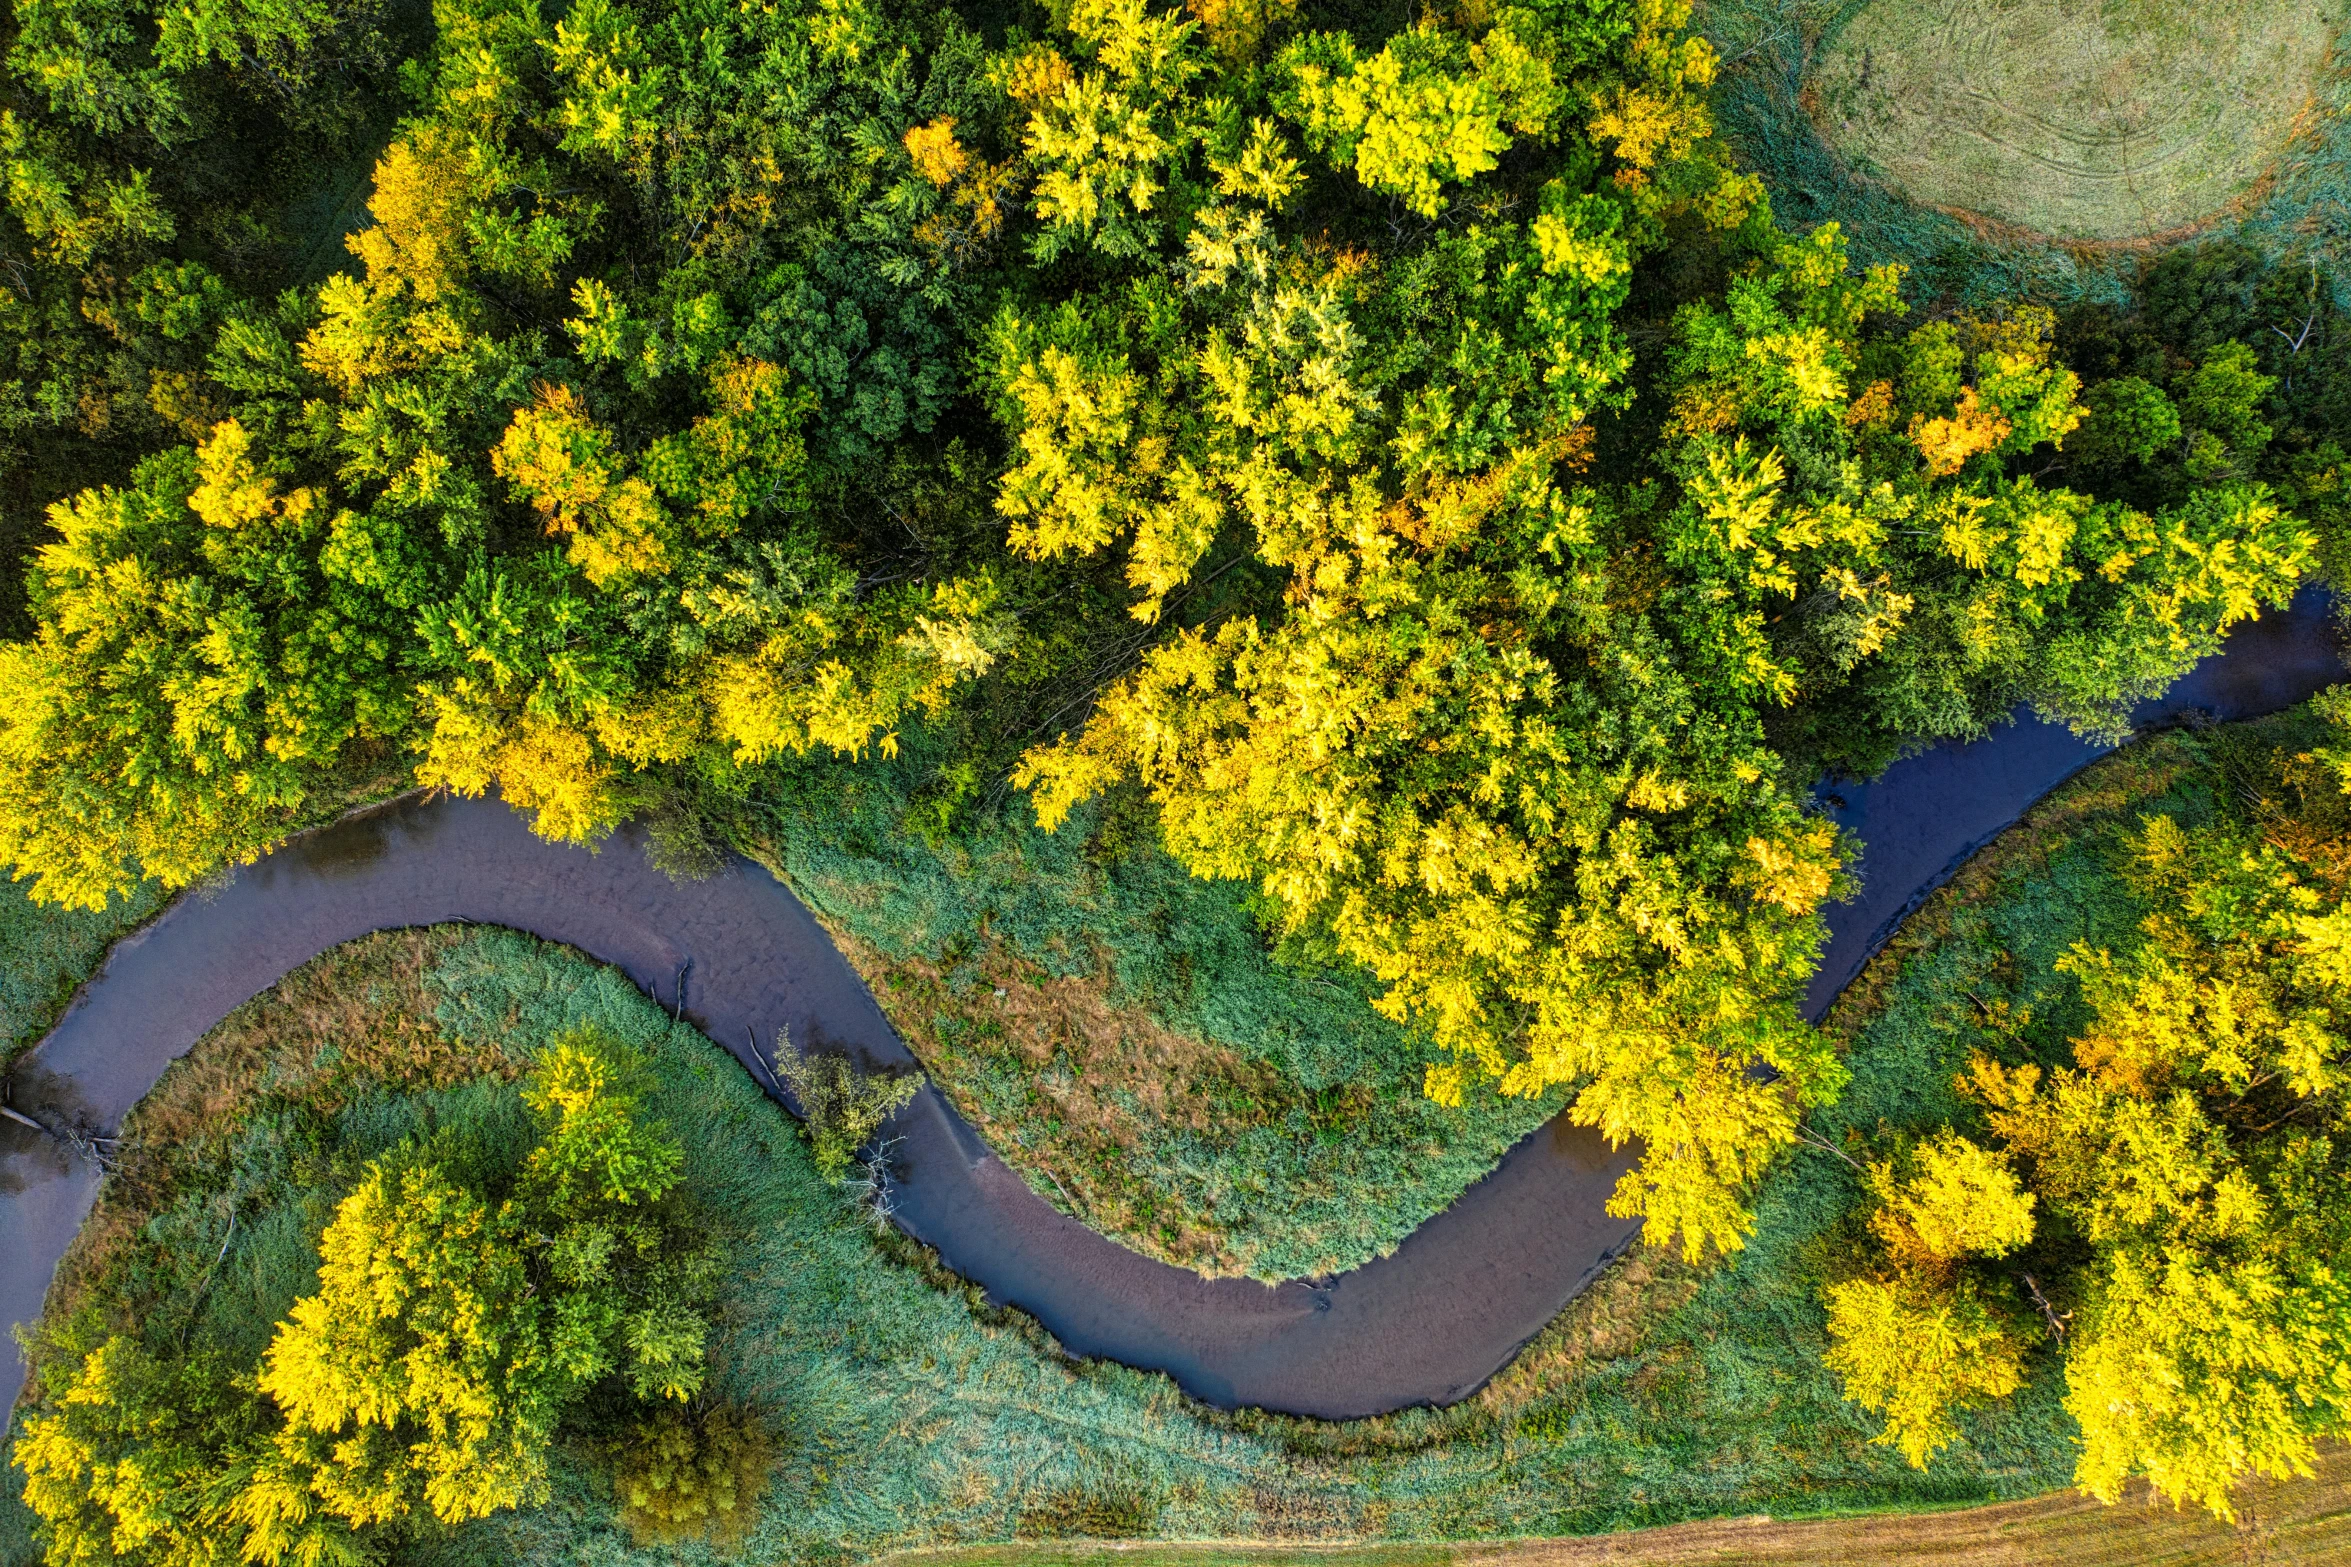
{"x": 1427, "y": 1324}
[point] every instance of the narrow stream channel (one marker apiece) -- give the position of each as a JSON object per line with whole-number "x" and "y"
{"x": 1426, "y": 1325}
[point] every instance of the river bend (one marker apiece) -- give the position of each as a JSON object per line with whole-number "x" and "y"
{"x": 1427, "y": 1324}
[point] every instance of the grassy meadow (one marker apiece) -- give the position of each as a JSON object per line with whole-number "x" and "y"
{"x": 1123, "y": 1036}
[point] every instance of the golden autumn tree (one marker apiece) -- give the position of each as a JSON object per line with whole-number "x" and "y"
{"x": 2188, "y": 1156}
{"x": 451, "y": 1331}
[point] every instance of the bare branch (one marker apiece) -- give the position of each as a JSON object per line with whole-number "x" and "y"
{"x": 1812, "y": 1139}
{"x": 2057, "y": 1322}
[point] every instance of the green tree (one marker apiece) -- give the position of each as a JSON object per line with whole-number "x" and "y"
{"x": 125, "y": 1465}
{"x": 2196, "y": 1144}
{"x": 688, "y": 1473}
{"x": 410, "y": 531}
{"x": 842, "y": 1107}
{"x": 1401, "y": 749}
{"x": 1409, "y": 756}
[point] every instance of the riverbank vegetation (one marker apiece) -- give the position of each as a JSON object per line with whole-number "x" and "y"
{"x": 1404, "y": 453}
{"x": 2135, "y": 1167}
{"x": 410, "y": 1293}
{"x": 898, "y": 1410}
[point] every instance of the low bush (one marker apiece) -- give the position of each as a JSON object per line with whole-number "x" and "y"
{"x": 841, "y": 1107}
{"x": 692, "y": 1473}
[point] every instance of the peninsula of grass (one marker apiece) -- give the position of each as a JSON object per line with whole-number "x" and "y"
{"x": 1123, "y": 1035}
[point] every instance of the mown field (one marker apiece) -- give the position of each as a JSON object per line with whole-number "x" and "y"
{"x": 2303, "y": 1522}
{"x": 2032, "y": 150}
{"x": 2116, "y": 121}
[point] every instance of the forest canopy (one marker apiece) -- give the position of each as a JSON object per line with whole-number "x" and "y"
{"x": 1407, "y": 451}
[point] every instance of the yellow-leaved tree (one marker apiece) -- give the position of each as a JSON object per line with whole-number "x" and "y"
{"x": 451, "y": 1330}
{"x": 2188, "y": 1161}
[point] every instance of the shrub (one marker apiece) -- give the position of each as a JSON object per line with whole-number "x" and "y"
{"x": 842, "y": 1107}
{"x": 692, "y": 1472}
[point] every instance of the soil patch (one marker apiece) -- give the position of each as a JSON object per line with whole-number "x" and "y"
{"x": 2304, "y": 1521}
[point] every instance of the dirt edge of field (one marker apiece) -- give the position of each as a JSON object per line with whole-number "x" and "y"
{"x": 2300, "y": 1521}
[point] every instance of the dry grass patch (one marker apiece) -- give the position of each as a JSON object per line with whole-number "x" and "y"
{"x": 1102, "y": 1080}
{"x": 1153, "y": 1067}
{"x": 1611, "y": 1320}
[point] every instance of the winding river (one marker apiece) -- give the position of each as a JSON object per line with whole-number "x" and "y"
{"x": 1427, "y": 1324}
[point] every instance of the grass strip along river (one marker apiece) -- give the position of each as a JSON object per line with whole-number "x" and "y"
{"x": 740, "y": 957}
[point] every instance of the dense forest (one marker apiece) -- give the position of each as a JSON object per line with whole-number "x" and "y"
{"x": 1402, "y": 447}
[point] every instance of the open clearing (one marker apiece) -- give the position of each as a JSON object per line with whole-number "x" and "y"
{"x": 2085, "y": 120}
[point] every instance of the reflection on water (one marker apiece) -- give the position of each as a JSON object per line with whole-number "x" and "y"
{"x": 28, "y": 1157}
{"x": 357, "y": 842}
{"x": 1920, "y": 819}
{"x": 50, "y": 1097}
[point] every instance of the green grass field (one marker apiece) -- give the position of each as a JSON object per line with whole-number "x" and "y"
{"x": 910, "y": 1415}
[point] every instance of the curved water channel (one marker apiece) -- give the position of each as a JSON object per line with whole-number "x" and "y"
{"x": 1427, "y": 1324}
